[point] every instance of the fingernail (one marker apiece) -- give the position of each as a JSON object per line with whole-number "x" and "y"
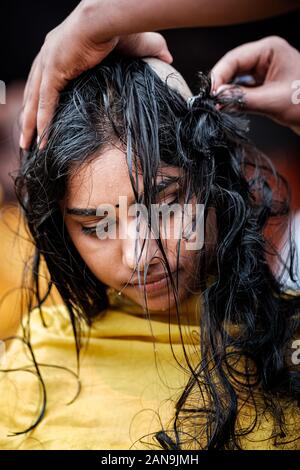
{"x": 223, "y": 87}
{"x": 21, "y": 141}
{"x": 167, "y": 57}
{"x": 170, "y": 57}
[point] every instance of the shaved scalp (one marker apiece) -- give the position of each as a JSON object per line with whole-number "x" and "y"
{"x": 168, "y": 74}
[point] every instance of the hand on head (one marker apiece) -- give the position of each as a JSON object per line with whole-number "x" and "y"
{"x": 68, "y": 50}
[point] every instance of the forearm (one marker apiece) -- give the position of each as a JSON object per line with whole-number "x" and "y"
{"x": 121, "y": 17}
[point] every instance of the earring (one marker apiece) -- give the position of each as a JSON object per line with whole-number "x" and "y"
{"x": 113, "y": 292}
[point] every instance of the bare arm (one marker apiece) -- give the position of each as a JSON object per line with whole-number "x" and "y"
{"x": 133, "y": 16}
{"x": 96, "y": 27}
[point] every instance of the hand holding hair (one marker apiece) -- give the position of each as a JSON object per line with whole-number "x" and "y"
{"x": 275, "y": 67}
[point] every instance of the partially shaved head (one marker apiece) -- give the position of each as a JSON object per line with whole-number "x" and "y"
{"x": 166, "y": 72}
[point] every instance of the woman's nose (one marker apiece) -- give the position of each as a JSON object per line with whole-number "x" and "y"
{"x": 139, "y": 247}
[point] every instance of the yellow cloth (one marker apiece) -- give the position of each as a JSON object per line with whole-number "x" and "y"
{"x": 126, "y": 379}
{"x": 120, "y": 382}
{"x": 16, "y": 248}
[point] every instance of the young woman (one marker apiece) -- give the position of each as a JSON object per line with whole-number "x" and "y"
{"x": 180, "y": 345}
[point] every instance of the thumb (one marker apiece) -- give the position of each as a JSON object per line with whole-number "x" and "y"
{"x": 145, "y": 45}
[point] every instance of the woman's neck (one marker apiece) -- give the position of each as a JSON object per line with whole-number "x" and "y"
{"x": 188, "y": 309}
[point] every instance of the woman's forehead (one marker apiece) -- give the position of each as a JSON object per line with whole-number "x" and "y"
{"x": 105, "y": 177}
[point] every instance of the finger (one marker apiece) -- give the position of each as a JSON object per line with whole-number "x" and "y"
{"x": 258, "y": 99}
{"x": 48, "y": 99}
{"x": 29, "y": 78}
{"x": 27, "y": 87}
{"x": 155, "y": 44}
{"x": 30, "y": 108}
{"x": 242, "y": 59}
{"x": 264, "y": 99}
{"x": 145, "y": 45}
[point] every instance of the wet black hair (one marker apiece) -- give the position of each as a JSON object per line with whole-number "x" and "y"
{"x": 124, "y": 100}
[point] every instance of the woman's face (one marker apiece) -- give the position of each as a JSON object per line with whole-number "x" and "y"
{"x": 113, "y": 259}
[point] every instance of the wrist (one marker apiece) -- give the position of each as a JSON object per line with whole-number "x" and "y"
{"x": 98, "y": 20}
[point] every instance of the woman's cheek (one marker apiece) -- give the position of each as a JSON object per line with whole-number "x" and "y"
{"x": 101, "y": 262}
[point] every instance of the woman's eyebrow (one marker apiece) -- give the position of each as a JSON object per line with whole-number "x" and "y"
{"x": 86, "y": 212}
{"x": 91, "y": 211}
{"x": 164, "y": 184}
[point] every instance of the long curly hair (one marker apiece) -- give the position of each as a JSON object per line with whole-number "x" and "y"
{"x": 249, "y": 319}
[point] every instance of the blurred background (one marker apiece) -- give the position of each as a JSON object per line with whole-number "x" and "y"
{"x": 22, "y": 32}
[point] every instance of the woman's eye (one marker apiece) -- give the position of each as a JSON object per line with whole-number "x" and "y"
{"x": 100, "y": 230}
{"x": 89, "y": 230}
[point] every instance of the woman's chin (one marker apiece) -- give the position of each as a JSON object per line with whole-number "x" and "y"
{"x": 156, "y": 301}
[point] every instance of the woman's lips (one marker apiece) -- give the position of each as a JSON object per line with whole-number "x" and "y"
{"x": 156, "y": 285}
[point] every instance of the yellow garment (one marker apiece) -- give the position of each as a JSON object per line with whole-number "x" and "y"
{"x": 123, "y": 386}
{"x": 118, "y": 375}
{"x": 15, "y": 249}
